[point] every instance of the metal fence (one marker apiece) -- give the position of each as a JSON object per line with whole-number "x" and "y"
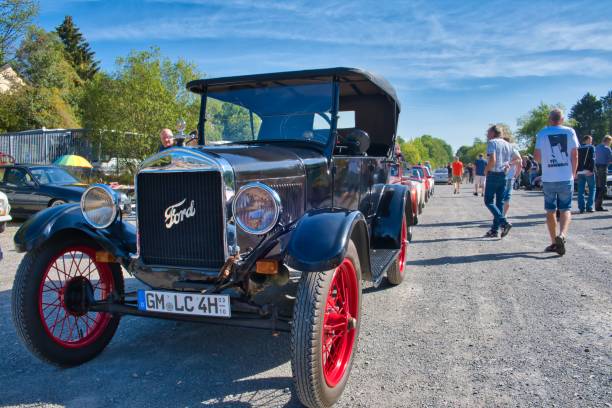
{"x": 45, "y": 146}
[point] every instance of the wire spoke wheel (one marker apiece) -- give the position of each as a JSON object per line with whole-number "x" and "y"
{"x": 72, "y": 279}
{"x": 395, "y": 273}
{"x": 55, "y": 286}
{"x": 339, "y": 323}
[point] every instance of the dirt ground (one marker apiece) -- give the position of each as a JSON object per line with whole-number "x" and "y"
{"x": 478, "y": 322}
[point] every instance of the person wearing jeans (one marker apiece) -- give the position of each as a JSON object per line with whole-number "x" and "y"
{"x": 501, "y": 156}
{"x": 585, "y": 173}
{"x": 556, "y": 148}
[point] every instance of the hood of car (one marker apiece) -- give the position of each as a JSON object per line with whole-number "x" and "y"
{"x": 68, "y": 192}
{"x": 258, "y": 162}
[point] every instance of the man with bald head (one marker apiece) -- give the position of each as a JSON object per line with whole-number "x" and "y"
{"x": 166, "y": 138}
{"x": 557, "y": 150}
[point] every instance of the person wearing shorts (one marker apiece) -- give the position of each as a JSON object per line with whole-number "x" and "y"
{"x": 479, "y": 180}
{"x": 514, "y": 170}
{"x": 557, "y": 150}
{"x": 457, "y": 174}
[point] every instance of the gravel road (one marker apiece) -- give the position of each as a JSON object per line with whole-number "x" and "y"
{"x": 477, "y": 322}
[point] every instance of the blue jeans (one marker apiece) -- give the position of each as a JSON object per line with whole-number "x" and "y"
{"x": 495, "y": 189}
{"x": 582, "y": 180}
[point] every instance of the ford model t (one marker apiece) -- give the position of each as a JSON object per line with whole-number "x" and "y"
{"x": 286, "y": 191}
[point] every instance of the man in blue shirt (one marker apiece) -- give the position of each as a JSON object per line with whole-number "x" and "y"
{"x": 586, "y": 173}
{"x": 479, "y": 180}
{"x": 603, "y": 157}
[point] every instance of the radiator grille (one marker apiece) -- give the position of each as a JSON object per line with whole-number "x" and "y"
{"x": 195, "y": 241}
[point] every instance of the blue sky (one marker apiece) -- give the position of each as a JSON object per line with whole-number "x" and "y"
{"x": 457, "y": 65}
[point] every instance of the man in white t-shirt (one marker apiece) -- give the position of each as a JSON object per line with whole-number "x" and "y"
{"x": 557, "y": 150}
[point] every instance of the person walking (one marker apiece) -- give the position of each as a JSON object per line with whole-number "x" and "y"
{"x": 500, "y": 155}
{"x": 603, "y": 158}
{"x": 479, "y": 180}
{"x": 457, "y": 174}
{"x": 449, "y": 168}
{"x": 514, "y": 171}
{"x": 586, "y": 173}
{"x": 470, "y": 169}
{"x": 556, "y": 149}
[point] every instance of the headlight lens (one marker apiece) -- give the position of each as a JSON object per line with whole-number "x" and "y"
{"x": 256, "y": 208}
{"x": 99, "y": 206}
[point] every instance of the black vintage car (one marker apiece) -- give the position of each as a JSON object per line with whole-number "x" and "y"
{"x": 31, "y": 188}
{"x": 286, "y": 194}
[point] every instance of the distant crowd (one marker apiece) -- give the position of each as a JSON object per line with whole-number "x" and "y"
{"x": 558, "y": 161}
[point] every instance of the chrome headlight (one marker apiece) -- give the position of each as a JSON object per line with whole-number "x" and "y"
{"x": 256, "y": 208}
{"x": 99, "y": 205}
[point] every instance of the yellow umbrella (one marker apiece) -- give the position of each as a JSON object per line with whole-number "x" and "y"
{"x": 73, "y": 160}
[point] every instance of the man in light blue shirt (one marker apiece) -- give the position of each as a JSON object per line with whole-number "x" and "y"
{"x": 500, "y": 156}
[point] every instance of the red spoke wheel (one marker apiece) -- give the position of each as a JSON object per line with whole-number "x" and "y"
{"x": 54, "y": 286}
{"x": 395, "y": 273}
{"x": 325, "y": 330}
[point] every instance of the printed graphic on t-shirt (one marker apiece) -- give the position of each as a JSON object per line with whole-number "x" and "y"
{"x": 558, "y": 147}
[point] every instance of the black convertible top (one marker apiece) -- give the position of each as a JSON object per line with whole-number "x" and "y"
{"x": 354, "y": 80}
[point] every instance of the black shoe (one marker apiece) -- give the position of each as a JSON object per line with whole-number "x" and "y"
{"x": 581, "y": 211}
{"x": 476, "y": 194}
{"x": 491, "y": 234}
{"x": 551, "y": 248}
{"x": 560, "y": 244}
{"x": 590, "y": 210}
{"x": 601, "y": 209}
{"x": 506, "y": 229}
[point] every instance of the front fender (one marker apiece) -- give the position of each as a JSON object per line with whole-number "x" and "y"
{"x": 320, "y": 240}
{"x": 387, "y": 225}
{"x": 119, "y": 238}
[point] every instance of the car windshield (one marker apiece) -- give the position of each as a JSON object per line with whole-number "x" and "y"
{"x": 52, "y": 175}
{"x": 417, "y": 171}
{"x": 272, "y": 113}
{"x": 441, "y": 171}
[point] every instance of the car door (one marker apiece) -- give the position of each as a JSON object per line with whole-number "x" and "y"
{"x": 17, "y": 189}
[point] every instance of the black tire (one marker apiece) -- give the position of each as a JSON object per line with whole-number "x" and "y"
{"x": 2, "y": 227}
{"x": 306, "y": 336}
{"x": 397, "y": 270}
{"x": 410, "y": 233}
{"x": 28, "y": 316}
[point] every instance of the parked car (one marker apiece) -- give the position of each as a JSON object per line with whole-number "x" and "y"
{"x": 32, "y": 188}
{"x": 413, "y": 179}
{"x": 288, "y": 202}
{"x": 427, "y": 178}
{"x": 396, "y": 171}
{"x": 441, "y": 176}
{"x": 5, "y": 215}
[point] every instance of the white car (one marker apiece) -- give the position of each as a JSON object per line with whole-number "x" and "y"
{"x": 441, "y": 176}
{"x": 5, "y": 210}
{"x": 5, "y": 216}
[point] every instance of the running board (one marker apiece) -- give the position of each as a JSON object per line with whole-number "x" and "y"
{"x": 381, "y": 259}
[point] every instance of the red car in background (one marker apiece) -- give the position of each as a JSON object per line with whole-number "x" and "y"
{"x": 396, "y": 176}
{"x": 428, "y": 179}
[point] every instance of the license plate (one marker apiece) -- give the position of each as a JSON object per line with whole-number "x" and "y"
{"x": 184, "y": 303}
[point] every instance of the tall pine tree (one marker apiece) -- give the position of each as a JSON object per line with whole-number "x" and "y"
{"x": 78, "y": 51}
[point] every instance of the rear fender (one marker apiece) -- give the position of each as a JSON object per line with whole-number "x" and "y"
{"x": 387, "y": 225}
{"x": 67, "y": 220}
{"x": 320, "y": 240}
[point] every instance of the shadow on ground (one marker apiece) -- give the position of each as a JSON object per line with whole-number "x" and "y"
{"x": 466, "y": 259}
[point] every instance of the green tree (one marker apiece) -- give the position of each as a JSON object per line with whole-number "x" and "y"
{"x": 78, "y": 50}
{"x": 588, "y": 114}
{"x": 469, "y": 154}
{"x": 15, "y": 17}
{"x": 530, "y": 124}
{"x": 126, "y": 110}
{"x": 606, "y": 103}
{"x": 426, "y": 148}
